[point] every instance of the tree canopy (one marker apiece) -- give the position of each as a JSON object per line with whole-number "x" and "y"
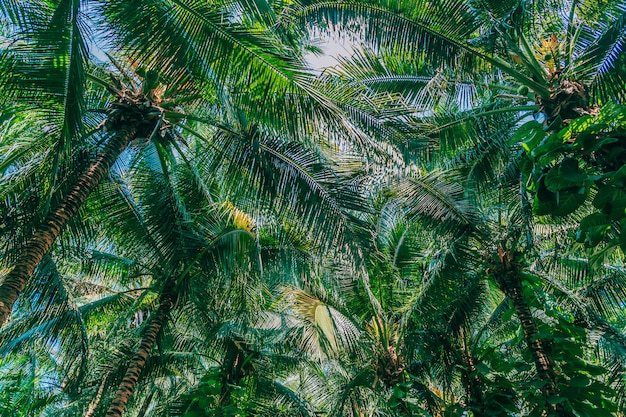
{"x": 197, "y": 220}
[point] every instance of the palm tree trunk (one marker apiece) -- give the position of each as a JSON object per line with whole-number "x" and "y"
{"x": 232, "y": 371}
{"x": 36, "y": 248}
{"x": 511, "y": 283}
{"x": 473, "y": 384}
{"x": 128, "y": 384}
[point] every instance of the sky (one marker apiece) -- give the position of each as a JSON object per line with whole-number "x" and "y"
{"x": 332, "y": 48}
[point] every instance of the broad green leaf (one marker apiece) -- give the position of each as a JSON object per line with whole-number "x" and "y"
{"x": 529, "y": 134}
{"x": 613, "y": 113}
{"x": 586, "y": 143}
{"x": 579, "y": 381}
{"x": 594, "y": 227}
{"x": 564, "y": 176}
{"x": 553, "y": 399}
{"x": 549, "y": 145}
{"x": 568, "y": 201}
{"x": 611, "y": 200}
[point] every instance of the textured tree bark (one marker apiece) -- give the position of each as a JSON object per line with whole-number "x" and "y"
{"x": 232, "y": 371}
{"x": 511, "y": 284}
{"x": 137, "y": 363}
{"x": 36, "y": 248}
{"x": 473, "y": 384}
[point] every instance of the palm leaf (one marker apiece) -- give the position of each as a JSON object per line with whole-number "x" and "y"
{"x": 602, "y": 61}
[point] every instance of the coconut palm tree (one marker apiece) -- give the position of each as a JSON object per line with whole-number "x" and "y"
{"x": 150, "y": 237}
{"x": 557, "y": 50}
{"x": 431, "y": 274}
{"x": 533, "y": 65}
{"x": 554, "y": 61}
{"x": 201, "y": 47}
{"x": 162, "y": 209}
{"x": 463, "y": 296}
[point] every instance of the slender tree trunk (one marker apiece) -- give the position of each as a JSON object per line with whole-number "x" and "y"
{"x": 93, "y": 405}
{"x": 36, "y": 248}
{"x": 128, "y": 384}
{"x": 473, "y": 384}
{"x": 232, "y": 371}
{"x": 511, "y": 284}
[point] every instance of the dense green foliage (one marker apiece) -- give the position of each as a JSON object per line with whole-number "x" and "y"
{"x": 587, "y": 156}
{"x": 196, "y": 220}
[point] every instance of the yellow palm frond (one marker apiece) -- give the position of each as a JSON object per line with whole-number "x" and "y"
{"x": 238, "y": 218}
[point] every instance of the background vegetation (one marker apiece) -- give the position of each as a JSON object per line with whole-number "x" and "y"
{"x": 195, "y": 220}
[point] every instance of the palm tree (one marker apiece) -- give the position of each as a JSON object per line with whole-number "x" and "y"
{"x": 561, "y": 87}
{"x": 156, "y": 204}
{"x": 463, "y": 276}
{"x": 34, "y": 251}
{"x": 201, "y": 46}
{"x": 555, "y": 62}
{"x": 154, "y": 238}
{"x": 518, "y": 38}
{"x": 221, "y": 204}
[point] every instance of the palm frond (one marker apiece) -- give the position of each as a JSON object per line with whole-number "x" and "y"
{"x": 439, "y": 35}
{"x": 207, "y": 42}
{"x": 438, "y": 200}
{"x": 297, "y": 183}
